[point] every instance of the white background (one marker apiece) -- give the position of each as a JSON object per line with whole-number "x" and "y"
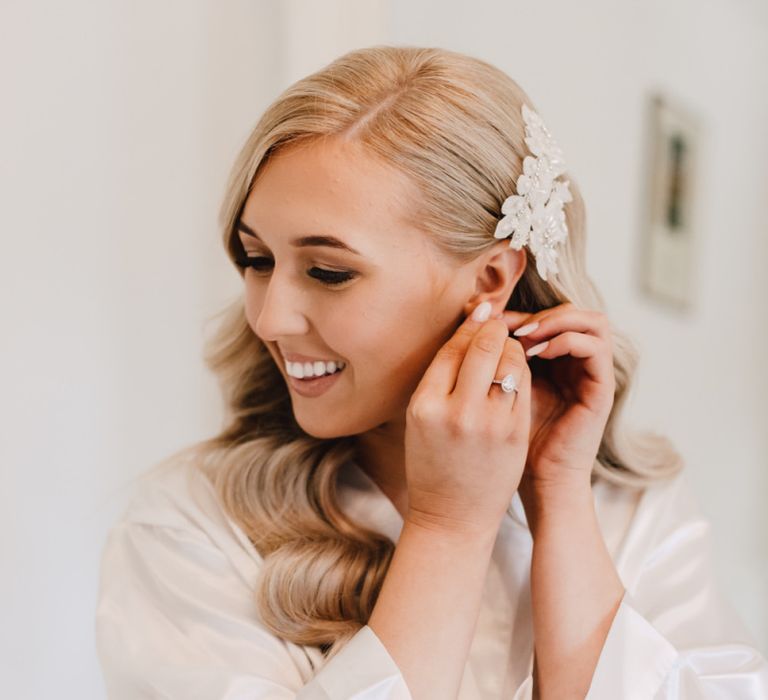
{"x": 120, "y": 121}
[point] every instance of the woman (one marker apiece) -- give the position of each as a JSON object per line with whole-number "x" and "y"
{"x": 451, "y": 508}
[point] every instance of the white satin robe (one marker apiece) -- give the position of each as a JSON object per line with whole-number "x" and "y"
{"x": 176, "y": 619}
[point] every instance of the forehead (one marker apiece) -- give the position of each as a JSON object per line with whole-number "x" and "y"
{"x": 331, "y": 187}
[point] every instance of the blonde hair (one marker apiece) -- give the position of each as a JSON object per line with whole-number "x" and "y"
{"x": 453, "y": 123}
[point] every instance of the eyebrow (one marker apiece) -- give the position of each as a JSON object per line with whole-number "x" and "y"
{"x": 304, "y": 241}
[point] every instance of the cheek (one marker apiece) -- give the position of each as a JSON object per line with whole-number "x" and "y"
{"x": 253, "y": 300}
{"x": 251, "y": 310}
{"x": 395, "y": 354}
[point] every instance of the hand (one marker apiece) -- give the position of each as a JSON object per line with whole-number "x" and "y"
{"x": 466, "y": 440}
{"x": 572, "y": 392}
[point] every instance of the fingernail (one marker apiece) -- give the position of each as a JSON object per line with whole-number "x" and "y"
{"x": 482, "y": 311}
{"x": 536, "y": 349}
{"x": 525, "y": 330}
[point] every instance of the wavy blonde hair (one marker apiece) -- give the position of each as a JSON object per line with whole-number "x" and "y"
{"x": 453, "y": 123}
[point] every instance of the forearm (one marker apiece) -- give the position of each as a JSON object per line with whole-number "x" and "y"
{"x": 575, "y": 591}
{"x": 428, "y": 606}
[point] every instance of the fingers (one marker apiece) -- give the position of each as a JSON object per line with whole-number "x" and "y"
{"x": 491, "y": 354}
{"x": 440, "y": 376}
{"x": 520, "y": 417}
{"x": 550, "y": 322}
{"x": 481, "y": 360}
{"x": 512, "y": 362}
{"x": 598, "y": 364}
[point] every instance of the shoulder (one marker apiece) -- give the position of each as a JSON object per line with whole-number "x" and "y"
{"x": 666, "y": 505}
{"x": 617, "y": 503}
{"x": 637, "y": 523}
{"x": 176, "y": 498}
{"x": 173, "y": 493}
{"x": 176, "y": 614}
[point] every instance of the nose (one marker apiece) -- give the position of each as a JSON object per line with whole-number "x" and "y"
{"x": 275, "y": 309}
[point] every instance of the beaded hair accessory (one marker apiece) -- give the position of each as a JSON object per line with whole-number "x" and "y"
{"x": 535, "y": 216}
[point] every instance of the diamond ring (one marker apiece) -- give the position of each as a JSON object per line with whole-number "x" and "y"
{"x": 508, "y": 384}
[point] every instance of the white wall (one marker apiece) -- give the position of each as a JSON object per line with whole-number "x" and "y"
{"x": 120, "y": 122}
{"x": 702, "y": 378}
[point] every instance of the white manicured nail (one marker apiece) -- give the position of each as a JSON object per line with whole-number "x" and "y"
{"x": 536, "y": 349}
{"x": 482, "y": 311}
{"x": 525, "y": 330}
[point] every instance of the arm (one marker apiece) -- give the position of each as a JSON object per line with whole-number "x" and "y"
{"x": 428, "y": 606}
{"x": 575, "y": 591}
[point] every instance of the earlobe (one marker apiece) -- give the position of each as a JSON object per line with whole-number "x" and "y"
{"x": 474, "y": 302}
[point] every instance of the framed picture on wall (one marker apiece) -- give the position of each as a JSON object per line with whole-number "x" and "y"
{"x": 668, "y": 268}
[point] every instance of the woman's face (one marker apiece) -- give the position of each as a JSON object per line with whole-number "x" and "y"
{"x": 398, "y": 302}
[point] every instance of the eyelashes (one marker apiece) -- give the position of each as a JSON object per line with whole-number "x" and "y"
{"x": 327, "y": 277}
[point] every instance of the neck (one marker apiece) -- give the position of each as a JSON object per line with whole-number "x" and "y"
{"x": 381, "y": 455}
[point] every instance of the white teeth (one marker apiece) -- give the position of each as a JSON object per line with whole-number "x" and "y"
{"x": 302, "y": 370}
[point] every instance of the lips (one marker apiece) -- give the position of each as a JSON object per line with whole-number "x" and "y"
{"x": 298, "y": 357}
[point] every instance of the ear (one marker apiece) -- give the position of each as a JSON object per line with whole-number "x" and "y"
{"x": 498, "y": 271}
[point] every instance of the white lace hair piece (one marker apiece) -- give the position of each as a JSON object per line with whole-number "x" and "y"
{"x": 534, "y": 216}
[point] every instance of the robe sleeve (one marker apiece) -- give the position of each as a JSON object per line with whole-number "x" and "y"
{"x": 675, "y": 635}
{"x": 175, "y": 620}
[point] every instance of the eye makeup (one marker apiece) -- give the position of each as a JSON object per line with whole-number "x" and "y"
{"x": 261, "y": 264}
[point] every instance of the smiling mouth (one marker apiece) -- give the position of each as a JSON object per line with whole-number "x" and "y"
{"x": 308, "y": 378}
{"x": 322, "y": 376}
{"x": 312, "y": 387}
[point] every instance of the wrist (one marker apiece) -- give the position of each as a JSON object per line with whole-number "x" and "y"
{"x": 568, "y": 484}
{"x": 552, "y": 503}
{"x": 453, "y": 533}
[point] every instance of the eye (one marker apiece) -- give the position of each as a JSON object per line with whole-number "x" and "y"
{"x": 329, "y": 277}
{"x": 258, "y": 263}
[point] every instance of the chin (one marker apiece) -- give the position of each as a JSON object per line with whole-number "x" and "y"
{"x": 322, "y": 433}
{"x": 325, "y": 428}
{"x": 322, "y": 429}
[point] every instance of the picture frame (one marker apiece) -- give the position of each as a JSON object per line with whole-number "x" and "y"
{"x": 670, "y": 230}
